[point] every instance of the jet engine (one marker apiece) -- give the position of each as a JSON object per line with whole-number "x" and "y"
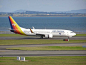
{"x": 48, "y": 36}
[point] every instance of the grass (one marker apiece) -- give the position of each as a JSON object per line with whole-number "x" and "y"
{"x": 50, "y": 48}
{"x": 80, "y": 34}
{"x": 51, "y": 60}
{"x": 35, "y": 41}
{"x": 17, "y": 35}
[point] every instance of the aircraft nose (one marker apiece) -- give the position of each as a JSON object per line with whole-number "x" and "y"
{"x": 74, "y": 34}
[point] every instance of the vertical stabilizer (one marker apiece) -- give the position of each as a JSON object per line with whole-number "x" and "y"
{"x": 15, "y": 27}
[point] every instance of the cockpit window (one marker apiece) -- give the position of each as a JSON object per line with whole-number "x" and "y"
{"x": 71, "y": 32}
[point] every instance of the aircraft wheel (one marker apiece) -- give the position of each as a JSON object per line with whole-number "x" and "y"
{"x": 41, "y": 37}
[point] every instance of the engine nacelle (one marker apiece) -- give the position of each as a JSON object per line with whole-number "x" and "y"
{"x": 48, "y": 36}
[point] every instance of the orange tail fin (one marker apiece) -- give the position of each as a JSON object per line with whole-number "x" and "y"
{"x": 15, "y": 26}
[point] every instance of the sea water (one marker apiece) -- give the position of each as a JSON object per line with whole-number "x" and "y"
{"x": 76, "y": 24}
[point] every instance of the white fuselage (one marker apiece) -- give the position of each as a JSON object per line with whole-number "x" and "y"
{"x": 49, "y": 32}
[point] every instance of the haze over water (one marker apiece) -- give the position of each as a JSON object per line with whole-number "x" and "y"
{"x": 76, "y": 24}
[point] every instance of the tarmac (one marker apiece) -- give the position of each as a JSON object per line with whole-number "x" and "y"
{"x": 33, "y": 37}
{"x": 11, "y": 53}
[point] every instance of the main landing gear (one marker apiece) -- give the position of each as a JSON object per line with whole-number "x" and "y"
{"x": 42, "y": 37}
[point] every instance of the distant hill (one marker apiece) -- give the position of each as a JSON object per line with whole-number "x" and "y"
{"x": 77, "y": 11}
{"x": 33, "y": 12}
{"x": 39, "y": 12}
{"x": 25, "y": 13}
{"x": 20, "y": 11}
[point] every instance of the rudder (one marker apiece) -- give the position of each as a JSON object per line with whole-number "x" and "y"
{"x": 15, "y": 27}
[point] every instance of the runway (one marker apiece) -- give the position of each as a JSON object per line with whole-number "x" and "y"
{"x": 6, "y": 52}
{"x": 29, "y": 38}
{"x": 3, "y": 47}
{"x": 11, "y": 53}
{"x": 41, "y": 53}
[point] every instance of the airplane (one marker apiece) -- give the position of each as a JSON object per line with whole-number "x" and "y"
{"x": 47, "y": 33}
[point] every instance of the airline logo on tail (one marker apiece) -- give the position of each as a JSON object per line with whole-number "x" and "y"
{"x": 13, "y": 24}
{"x": 15, "y": 27}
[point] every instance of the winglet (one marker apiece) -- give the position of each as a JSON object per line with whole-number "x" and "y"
{"x": 31, "y": 31}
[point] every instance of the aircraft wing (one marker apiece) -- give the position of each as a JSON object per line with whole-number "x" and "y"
{"x": 40, "y": 34}
{"x": 37, "y": 33}
{"x": 43, "y": 34}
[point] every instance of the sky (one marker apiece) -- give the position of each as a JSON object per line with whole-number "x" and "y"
{"x": 41, "y": 5}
